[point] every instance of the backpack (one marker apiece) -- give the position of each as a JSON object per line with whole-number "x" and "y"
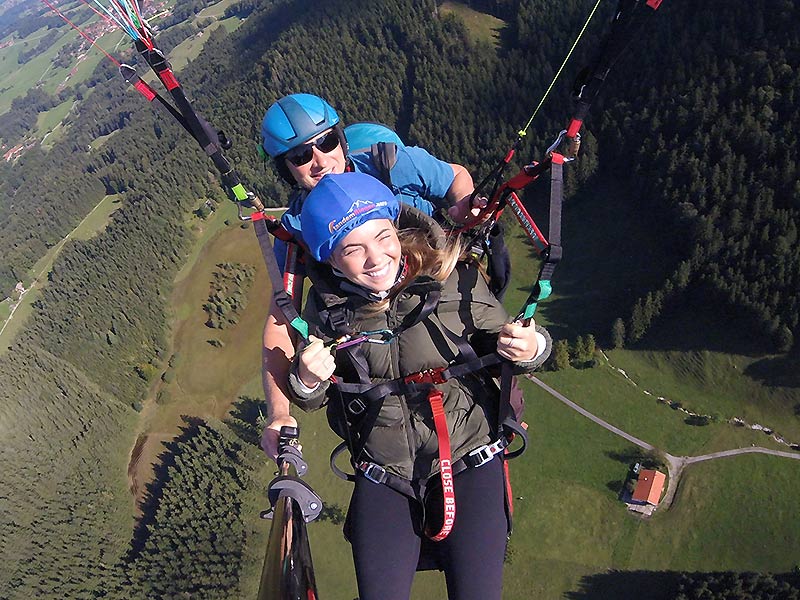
{"x": 381, "y": 140}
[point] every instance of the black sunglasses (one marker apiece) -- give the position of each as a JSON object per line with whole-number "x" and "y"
{"x": 301, "y": 155}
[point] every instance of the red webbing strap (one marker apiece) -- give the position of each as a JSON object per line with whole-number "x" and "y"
{"x": 445, "y": 466}
{"x": 574, "y": 128}
{"x": 145, "y": 90}
{"x": 520, "y": 180}
{"x": 509, "y": 492}
{"x": 168, "y": 78}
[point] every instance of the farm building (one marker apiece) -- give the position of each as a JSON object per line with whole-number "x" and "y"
{"x": 649, "y": 487}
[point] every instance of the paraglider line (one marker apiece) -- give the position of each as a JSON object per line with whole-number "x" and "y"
{"x": 78, "y": 29}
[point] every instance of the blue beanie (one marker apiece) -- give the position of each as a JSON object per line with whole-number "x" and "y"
{"x": 340, "y": 203}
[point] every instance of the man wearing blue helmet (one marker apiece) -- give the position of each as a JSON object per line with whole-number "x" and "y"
{"x": 303, "y": 134}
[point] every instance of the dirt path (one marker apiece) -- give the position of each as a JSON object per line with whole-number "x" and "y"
{"x": 675, "y": 464}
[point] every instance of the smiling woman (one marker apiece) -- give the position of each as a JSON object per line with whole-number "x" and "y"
{"x": 403, "y": 310}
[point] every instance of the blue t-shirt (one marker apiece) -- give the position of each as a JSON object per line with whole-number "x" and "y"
{"x": 418, "y": 179}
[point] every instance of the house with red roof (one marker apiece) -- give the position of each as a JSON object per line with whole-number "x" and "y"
{"x": 649, "y": 487}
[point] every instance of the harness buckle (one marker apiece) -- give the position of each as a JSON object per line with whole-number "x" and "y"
{"x": 433, "y": 376}
{"x": 573, "y": 145}
{"x": 375, "y": 473}
{"x": 356, "y": 406}
{"x": 486, "y": 453}
{"x": 483, "y": 455}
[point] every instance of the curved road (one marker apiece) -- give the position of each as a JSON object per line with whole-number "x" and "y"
{"x": 675, "y": 464}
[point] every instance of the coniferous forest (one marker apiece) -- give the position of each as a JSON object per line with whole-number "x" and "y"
{"x": 705, "y": 133}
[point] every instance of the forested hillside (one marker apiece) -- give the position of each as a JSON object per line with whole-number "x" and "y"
{"x": 704, "y": 133}
{"x": 711, "y": 137}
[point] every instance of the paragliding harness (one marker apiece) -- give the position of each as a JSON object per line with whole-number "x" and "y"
{"x": 354, "y": 407}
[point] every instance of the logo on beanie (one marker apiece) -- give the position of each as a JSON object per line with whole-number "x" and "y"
{"x": 358, "y": 208}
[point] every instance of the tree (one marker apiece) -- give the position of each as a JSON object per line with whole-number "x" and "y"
{"x": 561, "y": 355}
{"x": 590, "y": 346}
{"x": 618, "y": 334}
{"x": 579, "y": 349}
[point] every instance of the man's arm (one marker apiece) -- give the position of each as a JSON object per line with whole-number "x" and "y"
{"x": 458, "y": 194}
{"x": 276, "y": 361}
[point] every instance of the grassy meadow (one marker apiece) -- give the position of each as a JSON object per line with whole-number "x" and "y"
{"x": 482, "y": 27}
{"x": 204, "y": 380}
{"x": 16, "y": 79}
{"x": 5, "y": 309}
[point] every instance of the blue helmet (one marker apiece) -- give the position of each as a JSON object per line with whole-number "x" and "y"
{"x": 295, "y": 119}
{"x": 340, "y": 203}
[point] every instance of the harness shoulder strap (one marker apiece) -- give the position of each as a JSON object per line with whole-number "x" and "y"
{"x": 284, "y": 285}
{"x": 384, "y": 157}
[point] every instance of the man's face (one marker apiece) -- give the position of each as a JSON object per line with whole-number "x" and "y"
{"x": 318, "y": 157}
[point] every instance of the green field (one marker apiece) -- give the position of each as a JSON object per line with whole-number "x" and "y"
{"x": 190, "y": 48}
{"x": 197, "y": 388}
{"x": 95, "y": 222}
{"x": 482, "y": 27}
{"x": 16, "y": 79}
{"x": 734, "y": 513}
{"x": 99, "y": 141}
{"x": 216, "y": 11}
{"x": 48, "y": 124}
{"x": 5, "y": 309}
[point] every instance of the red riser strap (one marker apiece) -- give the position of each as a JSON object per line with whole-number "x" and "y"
{"x": 169, "y": 79}
{"x": 574, "y": 128}
{"x": 520, "y": 180}
{"x": 145, "y": 90}
{"x": 445, "y": 466}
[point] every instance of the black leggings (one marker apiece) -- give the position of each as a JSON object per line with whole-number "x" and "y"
{"x": 386, "y": 546}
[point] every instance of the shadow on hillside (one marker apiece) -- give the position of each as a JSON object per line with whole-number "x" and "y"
{"x": 611, "y": 255}
{"x": 703, "y": 320}
{"x": 155, "y": 489}
{"x": 614, "y": 255}
{"x": 668, "y": 585}
{"x": 628, "y": 585}
{"x": 259, "y": 39}
{"x": 779, "y": 371}
{"x": 244, "y": 419}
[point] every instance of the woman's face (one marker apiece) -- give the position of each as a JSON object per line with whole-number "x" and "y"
{"x": 370, "y": 255}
